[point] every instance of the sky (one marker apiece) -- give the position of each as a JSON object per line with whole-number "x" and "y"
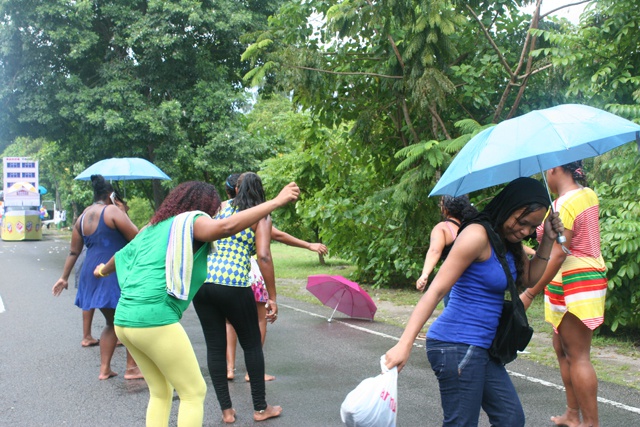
{"x": 572, "y": 13}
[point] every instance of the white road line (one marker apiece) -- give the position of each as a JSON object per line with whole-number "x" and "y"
{"x": 512, "y": 373}
{"x": 1, "y": 306}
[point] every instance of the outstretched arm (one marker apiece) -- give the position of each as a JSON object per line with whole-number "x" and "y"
{"x": 437, "y": 242}
{"x": 474, "y": 246}
{"x": 207, "y": 229}
{"x": 288, "y": 239}
{"x": 76, "y": 247}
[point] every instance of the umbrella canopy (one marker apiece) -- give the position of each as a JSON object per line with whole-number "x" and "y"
{"x": 23, "y": 187}
{"x": 532, "y": 143}
{"x": 343, "y": 295}
{"x": 42, "y": 190}
{"x": 126, "y": 168}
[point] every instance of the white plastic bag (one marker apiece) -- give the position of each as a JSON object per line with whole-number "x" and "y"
{"x": 374, "y": 402}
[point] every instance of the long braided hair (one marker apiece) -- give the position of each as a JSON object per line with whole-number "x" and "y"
{"x": 577, "y": 173}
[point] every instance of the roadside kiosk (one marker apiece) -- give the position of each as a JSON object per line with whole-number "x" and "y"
{"x": 21, "y": 219}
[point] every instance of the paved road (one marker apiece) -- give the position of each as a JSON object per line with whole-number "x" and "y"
{"x": 47, "y": 379}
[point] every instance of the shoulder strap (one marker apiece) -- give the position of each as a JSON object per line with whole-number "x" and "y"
{"x": 500, "y": 251}
{"x": 453, "y": 221}
{"x": 82, "y": 225}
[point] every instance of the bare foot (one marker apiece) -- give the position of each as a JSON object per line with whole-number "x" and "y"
{"x": 231, "y": 374}
{"x": 90, "y": 342}
{"x": 571, "y": 418}
{"x": 229, "y": 416}
{"x": 265, "y": 414}
{"x": 267, "y": 377}
{"x": 133, "y": 374}
{"x": 106, "y": 376}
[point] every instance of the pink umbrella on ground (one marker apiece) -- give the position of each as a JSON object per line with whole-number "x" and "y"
{"x": 342, "y": 295}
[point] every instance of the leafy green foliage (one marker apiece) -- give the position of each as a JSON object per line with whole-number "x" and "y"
{"x": 384, "y": 85}
{"x": 620, "y": 236}
{"x": 140, "y": 211}
{"x": 158, "y": 80}
{"x": 601, "y": 61}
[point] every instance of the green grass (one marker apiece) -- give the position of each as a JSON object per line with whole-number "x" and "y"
{"x": 297, "y": 263}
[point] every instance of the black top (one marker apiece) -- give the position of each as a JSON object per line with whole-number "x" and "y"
{"x": 447, "y": 248}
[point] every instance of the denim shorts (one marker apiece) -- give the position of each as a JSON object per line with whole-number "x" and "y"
{"x": 469, "y": 380}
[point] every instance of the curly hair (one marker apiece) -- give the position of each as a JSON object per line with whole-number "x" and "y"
{"x": 250, "y": 191}
{"x": 458, "y": 207}
{"x": 101, "y": 188}
{"x": 230, "y": 185}
{"x": 577, "y": 173}
{"x": 188, "y": 196}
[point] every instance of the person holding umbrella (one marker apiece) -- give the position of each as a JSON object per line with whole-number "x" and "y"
{"x": 575, "y": 287}
{"x": 459, "y": 339}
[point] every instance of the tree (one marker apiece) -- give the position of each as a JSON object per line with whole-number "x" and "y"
{"x": 402, "y": 85}
{"x": 601, "y": 61}
{"x": 154, "y": 79}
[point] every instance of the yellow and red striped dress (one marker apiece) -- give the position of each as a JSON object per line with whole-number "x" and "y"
{"x": 580, "y": 286}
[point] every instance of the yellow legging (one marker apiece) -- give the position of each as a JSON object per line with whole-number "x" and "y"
{"x": 167, "y": 360}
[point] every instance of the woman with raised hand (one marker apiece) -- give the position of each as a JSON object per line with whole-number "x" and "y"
{"x": 160, "y": 272}
{"x": 227, "y": 295}
{"x": 459, "y": 339}
{"x": 575, "y": 286}
{"x": 260, "y": 292}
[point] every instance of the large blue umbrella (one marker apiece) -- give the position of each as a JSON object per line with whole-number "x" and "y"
{"x": 126, "y": 168}
{"x": 532, "y": 143}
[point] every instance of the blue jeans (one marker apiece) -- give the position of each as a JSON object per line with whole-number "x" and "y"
{"x": 469, "y": 380}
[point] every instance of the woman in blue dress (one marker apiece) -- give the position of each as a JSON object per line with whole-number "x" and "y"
{"x": 104, "y": 229}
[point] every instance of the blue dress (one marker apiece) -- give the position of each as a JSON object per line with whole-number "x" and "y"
{"x": 102, "y": 244}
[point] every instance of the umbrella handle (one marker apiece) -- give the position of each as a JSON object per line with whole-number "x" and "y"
{"x": 560, "y": 239}
{"x": 334, "y": 310}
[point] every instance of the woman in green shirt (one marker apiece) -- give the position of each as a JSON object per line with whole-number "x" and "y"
{"x": 159, "y": 272}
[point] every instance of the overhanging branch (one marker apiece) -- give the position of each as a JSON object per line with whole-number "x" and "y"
{"x": 343, "y": 73}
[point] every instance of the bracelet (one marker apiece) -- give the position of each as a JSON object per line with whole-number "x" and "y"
{"x": 528, "y": 294}
{"x": 543, "y": 258}
{"x": 100, "y": 272}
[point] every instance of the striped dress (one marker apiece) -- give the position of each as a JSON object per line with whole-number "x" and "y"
{"x": 580, "y": 285}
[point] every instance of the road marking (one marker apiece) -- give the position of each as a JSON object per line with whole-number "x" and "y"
{"x": 512, "y": 373}
{"x": 559, "y": 387}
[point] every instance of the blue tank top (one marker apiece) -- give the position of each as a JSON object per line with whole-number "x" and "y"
{"x": 475, "y": 305}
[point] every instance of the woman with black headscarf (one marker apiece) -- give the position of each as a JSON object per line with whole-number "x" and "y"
{"x": 459, "y": 339}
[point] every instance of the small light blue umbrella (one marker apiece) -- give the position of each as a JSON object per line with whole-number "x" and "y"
{"x": 42, "y": 190}
{"x": 126, "y": 168}
{"x": 533, "y": 143}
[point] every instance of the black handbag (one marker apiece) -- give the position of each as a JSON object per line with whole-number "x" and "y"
{"x": 513, "y": 333}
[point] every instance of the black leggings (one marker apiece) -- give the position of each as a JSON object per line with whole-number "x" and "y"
{"x": 215, "y": 304}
